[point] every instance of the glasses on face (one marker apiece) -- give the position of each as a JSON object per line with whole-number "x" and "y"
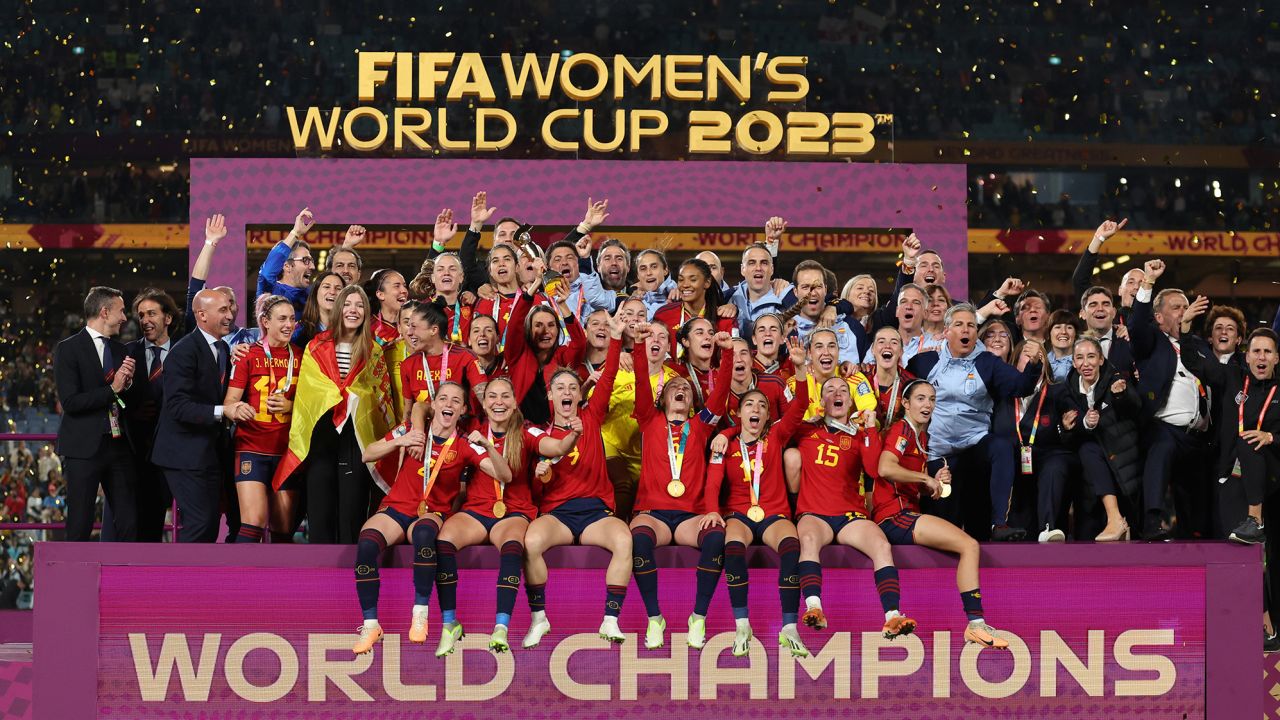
{"x": 303, "y": 260}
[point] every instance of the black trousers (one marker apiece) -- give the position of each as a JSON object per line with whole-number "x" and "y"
{"x": 1171, "y": 460}
{"x": 112, "y": 469}
{"x": 982, "y": 486}
{"x": 152, "y": 500}
{"x": 339, "y": 488}
{"x": 1040, "y": 499}
{"x": 198, "y": 493}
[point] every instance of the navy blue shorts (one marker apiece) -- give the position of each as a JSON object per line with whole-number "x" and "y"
{"x": 490, "y": 523}
{"x": 757, "y": 528}
{"x": 836, "y": 522}
{"x": 404, "y": 521}
{"x": 670, "y": 518}
{"x": 256, "y": 467}
{"x": 900, "y": 529}
{"x": 580, "y": 513}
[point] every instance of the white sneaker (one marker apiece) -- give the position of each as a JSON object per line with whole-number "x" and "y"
{"x": 537, "y": 628}
{"x": 449, "y": 636}
{"x": 654, "y": 634}
{"x": 789, "y": 638}
{"x": 1052, "y": 535}
{"x": 742, "y": 639}
{"x": 610, "y": 631}
{"x": 418, "y": 628}
{"x": 697, "y": 636}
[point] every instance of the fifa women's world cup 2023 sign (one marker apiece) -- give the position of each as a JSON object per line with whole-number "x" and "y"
{"x": 446, "y": 82}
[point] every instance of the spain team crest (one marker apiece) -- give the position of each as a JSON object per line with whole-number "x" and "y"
{"x": 846, "y": 442}
{"x": 246, "y": 467}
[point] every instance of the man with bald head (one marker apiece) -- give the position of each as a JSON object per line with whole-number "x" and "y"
{"x": 190, "y": 444}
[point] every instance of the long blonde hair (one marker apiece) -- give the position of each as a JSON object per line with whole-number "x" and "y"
{"x": 362, "y": 340}
{"x": 513, "y": 449}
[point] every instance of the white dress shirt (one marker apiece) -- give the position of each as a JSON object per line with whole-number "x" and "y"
{"x": 212, "y": 343}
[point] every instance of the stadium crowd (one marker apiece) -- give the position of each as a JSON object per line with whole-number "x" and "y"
{"x": 588, "y": 392}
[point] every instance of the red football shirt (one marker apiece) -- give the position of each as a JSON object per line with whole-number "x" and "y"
{"x": 407, "y": 492}
{"x": 482, "y": 489}
{"x": 888, "y": 497}
{"x": 739, "y": 472}
{"x": 499, "y": 309}
{"x": 267, "y": 433}
{"x": 773, "y": 388}
{"x": 458, "y": 329}
{"x": 462, "y": 368}
{"x": 831, "y": 468}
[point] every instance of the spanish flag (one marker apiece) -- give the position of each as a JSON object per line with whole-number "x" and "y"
{"x": 394, "y": 354}
{"x": 324, "y": 395}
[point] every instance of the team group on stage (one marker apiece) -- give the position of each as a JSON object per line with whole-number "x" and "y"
{"x": 530, "y": 398}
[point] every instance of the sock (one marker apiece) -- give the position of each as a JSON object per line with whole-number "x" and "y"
{"x": 972, "y": 601}
{"x": 424, "y": 561}
{"x": 644, "y": 571}
{"x": 281, "y": 538}
{"x": 537, "y": 596}
{"x": 788, "y": 583}
{"x": 735, "y": 576}
{"x": 447, "y": 580}
{"x": 710, "y": 565}
{"x": 511, "y": 558}
{"x": 249, "y": 533}
{"x": 887, "y": 586}
{"x": 369, "y": 547}
{"x": 810, "y": 579}
{"x": 613, "y": 597}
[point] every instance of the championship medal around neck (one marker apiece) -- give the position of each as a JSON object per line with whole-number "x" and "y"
{"x": 675, "y": 488}
{"x": 422, "y": 509}
{"x": 499, "y": 509}
{"x": 755, "y": 513}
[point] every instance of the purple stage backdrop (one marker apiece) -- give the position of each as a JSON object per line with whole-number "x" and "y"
{"x": 273, "y": 642}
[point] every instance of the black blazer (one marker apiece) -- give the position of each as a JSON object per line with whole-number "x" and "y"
{"x": 84, "y": 393}
{"x": 1117, "y": 430}
{"x": 144, "y": 398}
{"x": 1227, "y": 381}
{"x": 1121, "y": 357}
{"x": 189, "y": 437}
{"x": 1156, "y": 359}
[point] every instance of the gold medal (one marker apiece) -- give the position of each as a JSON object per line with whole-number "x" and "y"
{"x": 946, "y": 490}
{"x": 675, "y": 488}
{"x": 422, "y": 509}
{"x": 499, "y": 509}
{"x": 756, "y": 513}
{"x": 422, "y": 471}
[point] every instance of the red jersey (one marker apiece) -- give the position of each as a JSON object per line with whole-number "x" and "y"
{"x": 831, "y": 467}
{"x": 462, "y": 368}
{"x": 456, "y": 454}
{"x": 458, "y": 329}
{"x": 764, "y": 459}
{"x": 499, "y": 308}
{"x": 674, "y": 316}
{"x": 783, "y": 369}
{"x": 267, "y": 433}
{"x": 703, "y": 381}
{"x": 661, "y": 442}
{"x": 890, "y": 498}
{"x": 887, "y": 398}
{"x": 520, "y": 364}
{"x": 483, "y": 489}
{"x": 581, "y": 473}
{"x": 773, "y": 387}
{"x": 385, "y": 332}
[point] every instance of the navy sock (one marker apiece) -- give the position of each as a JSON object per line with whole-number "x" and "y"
{"x": 369, "y": 548}
{"x": 509, "y": 563}
{"x": 613, "y": 597}
{"x": 735, "y": 576}
{"x": 424, "y": 561}
{"x": 249, "y": 533}
{"x": 644, "y": 571}
{"x": 537, "y": 596}
{"x": 447, "y": 579}
{"x": 788, "y": 582}
{"x": 972, "y": 601}
{"x": 810, "y": 578}
{"x": 887, "y": 586}
{"x": 710, "y": 565}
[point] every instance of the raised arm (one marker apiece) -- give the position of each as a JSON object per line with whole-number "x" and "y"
{"x": 643, "y": 409}
{"x": 1142, "y": 324}
{"x": 718, "y": 401}
{"x": 1082, "y": 278}
{"x": 790, "y": 421}
{"x": 598, "y": 405}
{"x": 493, "y": 463}
{"x": 375, "y": 451}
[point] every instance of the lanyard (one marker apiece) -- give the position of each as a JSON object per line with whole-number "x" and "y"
{"x": 697, "y": 386}
{"x": 752, "y": 471}
{"x": 915, "y": 435}
{"x": 837, "y": 426}
{"x": 456, "y": 333}
{"x": 1240, "y": 400}
{"x": 1019, "y": 413}
{"x": 497, "y": 313}
{"x": 892, "y": 407}
{"x": 271, "y": 368}
{"x": 429, "y": 481}
{"x": 444, "y": 370}
{"x": 1177, "y": 350}
{"x": 499, "y": 487}
{"x": 675, "y": 452}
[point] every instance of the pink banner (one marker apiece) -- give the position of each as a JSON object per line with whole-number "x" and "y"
{"x": 258, "y": 642}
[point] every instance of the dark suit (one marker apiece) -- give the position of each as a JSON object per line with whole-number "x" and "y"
{"x": 1167, "y": 446}
{"x": 145, "y": 398}
{"x": 1119, "y": 352}
{"x": 91, "y": 456}
{"x": 190, "y": 442}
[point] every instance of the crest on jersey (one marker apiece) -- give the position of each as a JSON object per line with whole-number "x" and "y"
{"x": 846, "y": 442}
{"x": 246, "y": 467}
{"x": 901, "y": 445}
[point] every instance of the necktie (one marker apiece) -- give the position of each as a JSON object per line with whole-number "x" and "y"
{"x": 108, "y": 362}
{"x": 223, "y": 354}
{"x": 156, "y": 366}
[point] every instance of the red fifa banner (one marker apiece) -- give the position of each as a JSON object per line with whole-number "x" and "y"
{"x": 266, "y": 631}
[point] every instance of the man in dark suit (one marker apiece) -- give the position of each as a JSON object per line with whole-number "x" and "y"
{"x": 156, "y": 313}
{"x": 1098, "y": 310}
{"x": 190, "y": 442}
{"x": 92, "y": 372}
{"x": 1174, "y": 403}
